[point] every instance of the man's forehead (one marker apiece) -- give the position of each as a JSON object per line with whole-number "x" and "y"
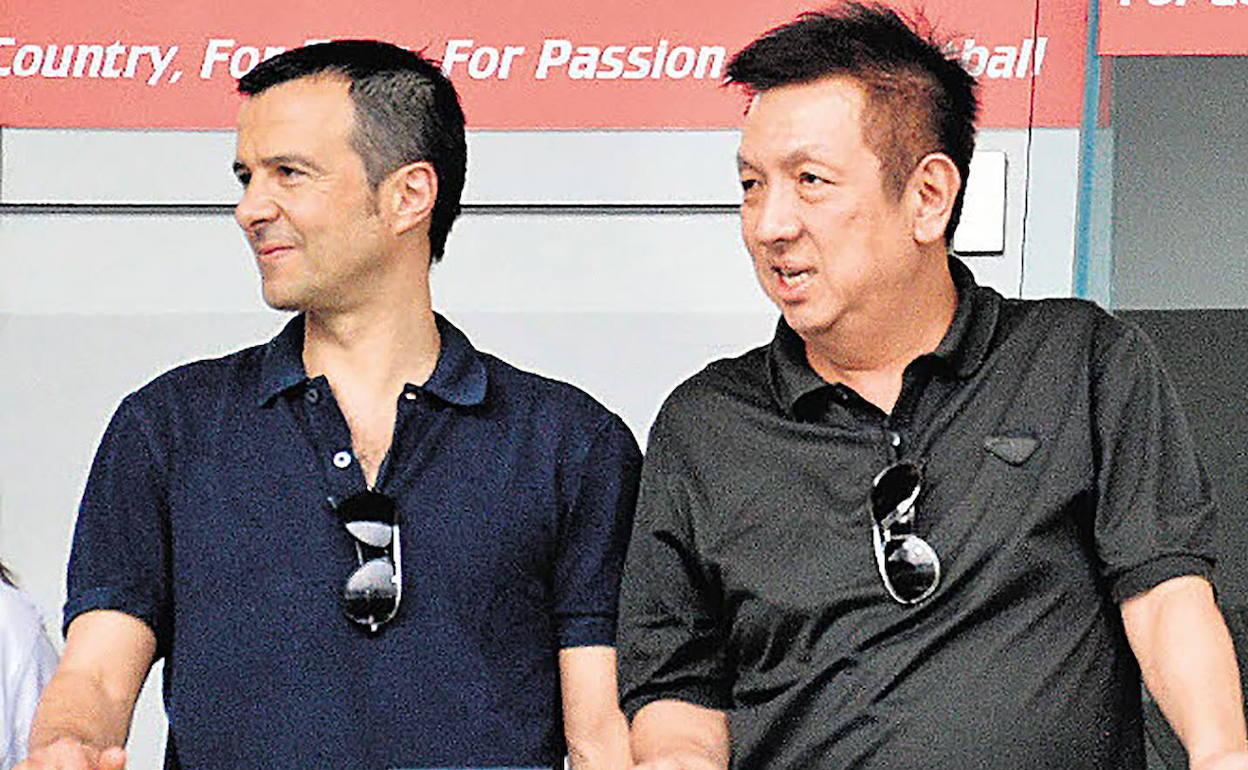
{"x": 840, "y": 91}
{"x": 804, "y": 111}
{"x": 318, "y": 99}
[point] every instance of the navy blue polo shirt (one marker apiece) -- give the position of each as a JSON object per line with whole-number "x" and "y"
{"x": 206, "y": 515}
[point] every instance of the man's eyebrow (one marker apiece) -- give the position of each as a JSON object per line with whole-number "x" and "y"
{"x": 281, "y": 160}
{"x": 807, "y": 152}
{"x": 744, "y": 165}
{"x": 796, "y": 157}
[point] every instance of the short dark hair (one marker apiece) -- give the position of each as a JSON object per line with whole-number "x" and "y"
{"x": 919, "y": 98}
{"x": 406, "y": 110}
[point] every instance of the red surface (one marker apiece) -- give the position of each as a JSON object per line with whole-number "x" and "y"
{"x": 1173, "y": 27}
{"x": 521, "y": 101}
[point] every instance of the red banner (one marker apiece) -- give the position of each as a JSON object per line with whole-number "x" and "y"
{"x": 1173, "y": 28}
{"x": 538, "y": 64}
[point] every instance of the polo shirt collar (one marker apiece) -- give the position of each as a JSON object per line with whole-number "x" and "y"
{"x": 459, "y": 378}
{"x": 962, "y": 350}
{"x": 281, "y": 362}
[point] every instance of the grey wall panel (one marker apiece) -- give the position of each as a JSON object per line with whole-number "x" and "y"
{"x": 193, "y": 167}
{"x": 531, "y": 262}
{"x": 632, "y": 168}
{"x": 1180, "y": 238}
{"x": 1204, "y": 351}
{"x": 1052, "y": 187}
{"x": 192, "y": 263}
{"x": 124, "y": 263}
{"x": 116, "y": 167}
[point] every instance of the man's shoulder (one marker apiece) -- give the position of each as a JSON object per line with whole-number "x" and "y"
{"x": 722, "y": 385}
{"x": 1080, "y": 323}
{"x": 189, "y": 383}
{"x": 523, "y": 392}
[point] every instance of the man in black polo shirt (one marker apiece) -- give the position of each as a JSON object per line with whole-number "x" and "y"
{"x": 363, "y": 544}
{"x": 926, "y": 527}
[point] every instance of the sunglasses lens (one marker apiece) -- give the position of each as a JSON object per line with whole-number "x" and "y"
{"x": 911, "y": 566}
{"x": 371, "y": 595}
{"x": 373, "y": 533}
{"x": 893, "y": 488}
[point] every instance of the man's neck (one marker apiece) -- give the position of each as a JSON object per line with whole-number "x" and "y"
{"x": 869, "y": 351}
{"x": 369, "y": 356}
{"x": 373, "y": 350}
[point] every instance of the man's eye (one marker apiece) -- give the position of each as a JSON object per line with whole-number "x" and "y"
{"x": 288, "y": 172}
{"x": 808, "y": 178}
{"x": 748, "y": 184}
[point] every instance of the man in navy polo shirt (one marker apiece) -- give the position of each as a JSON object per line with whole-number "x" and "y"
{"x": 364, "y": 543}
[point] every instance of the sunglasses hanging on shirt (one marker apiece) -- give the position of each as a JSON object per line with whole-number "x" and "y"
{"x": 372, "y": 593}
{"x": 907, "y": 563}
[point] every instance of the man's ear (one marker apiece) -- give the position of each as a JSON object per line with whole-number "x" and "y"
{"x": 933, "y": 189}
{"x": 407, "y": 196}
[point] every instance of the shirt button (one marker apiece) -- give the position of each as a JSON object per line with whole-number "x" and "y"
{"x": 312, "y": 396}
{"x": 410, "y": 395}
{"x": 894, "y": 438}
{"x": 342, "y": 459}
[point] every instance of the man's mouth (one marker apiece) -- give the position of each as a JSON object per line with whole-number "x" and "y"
{"x": 792, "y": 278}
{"x": 272, "y": 250}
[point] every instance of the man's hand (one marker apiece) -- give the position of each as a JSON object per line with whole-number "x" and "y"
{"x": 84, "y": 713}
{"x": 596, "y": 731}
{"x": 1188, "y": 660}
{"x": 672, "y": 762}
{"x": 1236, "y": 760}
{"x": 69, "y": 754}
{"x": 674, "y": 735}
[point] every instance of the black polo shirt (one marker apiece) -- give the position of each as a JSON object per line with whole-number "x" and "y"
{"x": 206, "y": 516}
{"x": 1060, "y": 478}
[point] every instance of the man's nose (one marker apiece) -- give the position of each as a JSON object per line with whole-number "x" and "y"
{"x": 255, "y": 208}
{"x": 777, "y": 217}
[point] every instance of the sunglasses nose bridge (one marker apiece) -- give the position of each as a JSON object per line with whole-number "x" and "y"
{"x": 894, "y": 492}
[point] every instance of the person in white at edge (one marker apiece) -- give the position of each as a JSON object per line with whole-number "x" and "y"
{"x": 27, "y": 660}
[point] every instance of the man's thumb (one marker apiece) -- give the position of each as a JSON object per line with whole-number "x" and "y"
{"x": 113, "y": 759}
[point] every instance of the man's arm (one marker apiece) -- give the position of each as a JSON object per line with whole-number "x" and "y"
{"x": 84, "y": 715}
{"x": 1186, "y": 655}
{"x": 593, "y": 724}
{"x": 674, "y": 735}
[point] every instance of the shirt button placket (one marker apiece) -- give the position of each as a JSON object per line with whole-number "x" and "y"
{"x": 893, "y": 438}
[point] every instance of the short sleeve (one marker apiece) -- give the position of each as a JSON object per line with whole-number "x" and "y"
{"x": 593, "y": 535}
{"x": 1155, "y": 514}
{"x": 119, "y": 559}
{"x": 671, "y": 643}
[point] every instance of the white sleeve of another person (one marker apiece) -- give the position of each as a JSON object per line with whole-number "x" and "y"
{"x": 27, "y": 660}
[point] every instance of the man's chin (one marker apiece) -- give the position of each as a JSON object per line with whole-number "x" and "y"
{"x": 280, "y": 301}
{"x": 806, "y": 325}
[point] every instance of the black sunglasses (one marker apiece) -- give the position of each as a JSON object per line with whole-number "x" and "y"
{"x": 371, "y": 596}
{"x": 908, "y": 564}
